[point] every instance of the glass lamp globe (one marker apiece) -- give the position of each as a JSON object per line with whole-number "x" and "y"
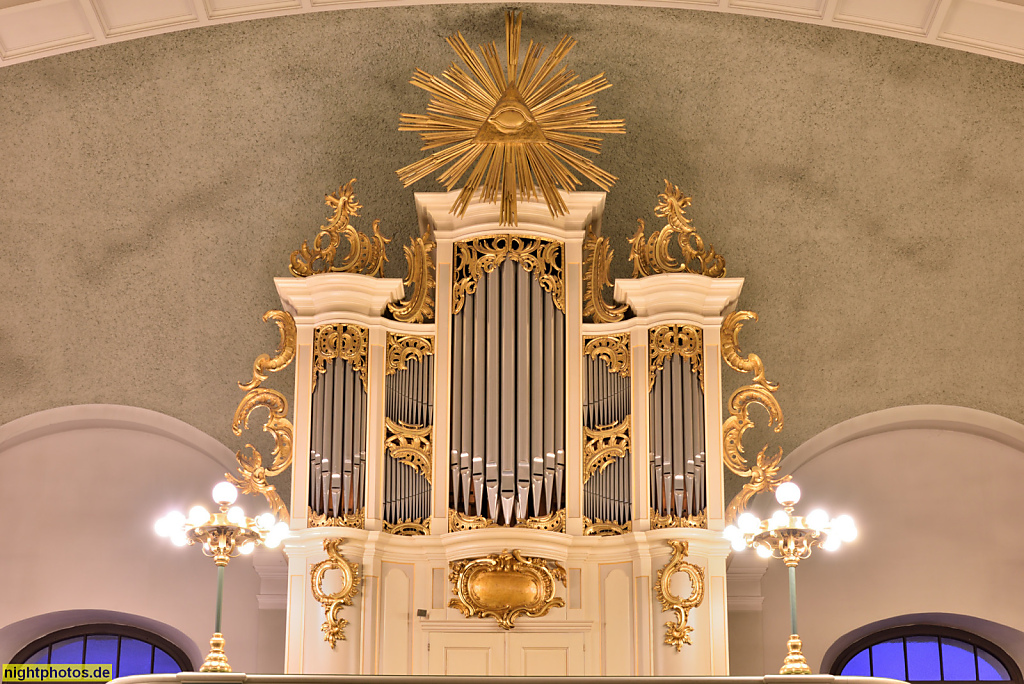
{"x": 236, "y": 515}
{"x": 225, "y": 493}
{"x": 197, "y": 515}
{"x": 787, "y": 493}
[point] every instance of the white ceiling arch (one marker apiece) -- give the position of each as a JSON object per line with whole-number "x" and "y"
{"x": 32, "y": 29}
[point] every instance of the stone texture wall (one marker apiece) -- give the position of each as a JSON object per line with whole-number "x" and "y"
{"x": 870, "y": 190}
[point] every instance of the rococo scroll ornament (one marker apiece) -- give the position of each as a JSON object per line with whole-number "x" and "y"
{"x": 597, "y": 258}
{"x": 513, "y": 126}
{"x": 685, "y": 340}
{"x": 504, "y": 586}
{"x": 356, "y": 520}
{"x": 678, "y": 632}
{"x": 401, "y": 348}
{"x": 411, "y": 445}
{"x": 660, "y": 522}
{"x": 460, "y": 522}
{"x": 334, "y": 626}
{"x": 654, "y": 255}
{"x": 253, "y": 474}
{"x": 341, "y": 341}
{"x": 601, "y": 446}
{"x": 414, "y": 527}
{"x": 614, "y": 349}
{"x": 365, "y": 253}
{"x": 605, "y": 528}
{"x": 764, "y": 474}
{"x": 418, "y": 304}
{"x": 539, "y": 256}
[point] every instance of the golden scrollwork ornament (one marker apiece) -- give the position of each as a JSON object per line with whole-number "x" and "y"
{"x": 682, "y": 340}
{"x": 654, "y": 254}
{"x": 403, "y": 348}
{"x": 355, "y": 520}
{"x": 764, "y": 474}
{"x": 614, "y": 349}
{"x": 605, "y": 528}
{"x": 418, "y": 304}
{"x": 597, "y": 259}
{"x": 410, "y": 444}
{"x": 366, "y": 253}
{"x": 603, "y": 445}
{"x": 340, "y": 341}
{"x": 334, "y": 626}
{"x": 252, "y": 472}
{"x": 460, "y": 522}
{"x": 505, "y": 586}
{"x": 668, "y": 520}
{"x": 539, "y": 256}
{"x": 413, "y": 527}
{"x": 678, "y": 632}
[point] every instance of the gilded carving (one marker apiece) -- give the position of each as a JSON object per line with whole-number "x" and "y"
{"x": 418, "y": 304}
{"x": 355, "y": 520}
{"x": 410, "y": 444}
{"x": 504, "y": 586}
{"x": 614, "y": 349}
{"x": 601, "y": 446}
{"x": 605, "y": 528}
{"x": 459, "y": 522}
{"x": 253, "y": 474}
{"x": 365, "y": 254}
{"x": 511, "y": 130}
{"x": 764, "y": 474}
{"x": 660, "y": 522}
{"x": 678, "y": 632}
{"x": 401, "y": 348}
{"x": 334, "y": 626}
{"x": 340, "y": 341}
{"x": 653, "y": 255}
{"x": 553, "y": 522}
{"x": 597, "y": 258}
{"x": 684, "y": 340}
{"x": 539, "y": 256}
{"x": 413, "y": 527}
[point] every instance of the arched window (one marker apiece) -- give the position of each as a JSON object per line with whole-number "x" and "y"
{"x": 922, "y": 653}
{"x": 130, "y": 650}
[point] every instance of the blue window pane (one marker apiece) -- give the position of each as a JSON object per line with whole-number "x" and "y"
{"x": 887, "y": 659}
{"x": 859, "y": 665}
{"x": 67, "y": 652}
{"x": 101, "y": 649}
{"x": 40, "y": 657}
{"x": 958, "y": 661}
{"x": 164, "y": 664}
{"x": 990, "y": 669}
{"x": 136, "y": 657}
{"x": 923, "y": 659}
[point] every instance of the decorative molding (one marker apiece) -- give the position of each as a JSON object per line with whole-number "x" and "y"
{"x": 410, "y": 444}
{"x": 553, "y": 522}
{"x": 661, "y": 522}
{"x": 401, "y": 348}
{"x": 678, "y": 633}
{"x": 614, "y": 349}
{"x": 764, "y": 474}
{"x": 654, "y": 256}
{"x": 458, "y": 522}
{"x": 605, "y": 528}
{"x": 504, "y": 586}
{"x": 682, "y": 340}
{"x": 540, "y": 256}
{"x": 597, "y": 259}
{"x": 354, "y": 520}
{"x": 418, "y": 307}
{"x": 253, "y": 474}
{"x": 366, "y": 254}
{"x": 340, "y": 341}
{"x": 601, "y": 446}
{"x": 413, "y": 527}
{"x": 334, "y": 626}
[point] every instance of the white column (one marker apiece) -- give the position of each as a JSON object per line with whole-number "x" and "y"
{"x": 375, "y": 425}
{"x": 442, "y": 386}
{"x": 713, "y": 426}
{"x": 638, "y": 435}
{"x": 573, "y": 274}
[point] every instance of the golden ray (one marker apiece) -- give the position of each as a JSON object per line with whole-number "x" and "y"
{"x": 511, "y": 128}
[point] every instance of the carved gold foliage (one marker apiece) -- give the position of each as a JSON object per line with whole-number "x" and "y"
{"x": 660, "y": 522}
{"x": 614, "y": 349}
{"x": 334, "y": 626}
{"x": 459, "y": 522}
{"x": 605, "y": 528}
{"x": 597, "y": 258}
{"x": 418, "y": 304}
{"x": 340, "y": 341}
{"x": 401, "y": 348}
{"x": 678, "y": 632}
{"x": 655, "y": 255}
{"x": 366, "y": 254}
{"x": 410, "y": 444}
{"x": 552, "y": 522}
{"x": 764, "y": 474}
{"x": 253, "y": 474}
{"x": 354, "y": 520}
{"x": 504, "y": 586}
{"x": 539, "y": 256}
{"x": 513, "y": 129}
{"x": 684, "y": 340}
{"x": 414, "y": 527}
{"x": 601, "y": 446}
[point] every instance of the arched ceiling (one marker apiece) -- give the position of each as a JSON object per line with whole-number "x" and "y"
{"x": 870, "y": 191}
{"x": 30, "y": 29}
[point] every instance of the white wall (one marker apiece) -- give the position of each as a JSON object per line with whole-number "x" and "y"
{"x": 80, "y": 489}
{"x": 936, "y": 494}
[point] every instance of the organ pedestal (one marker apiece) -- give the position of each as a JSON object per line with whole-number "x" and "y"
{"x": 590, "y": 452}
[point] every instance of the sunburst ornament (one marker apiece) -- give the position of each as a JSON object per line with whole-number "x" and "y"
{"x": 513, "y": 127}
